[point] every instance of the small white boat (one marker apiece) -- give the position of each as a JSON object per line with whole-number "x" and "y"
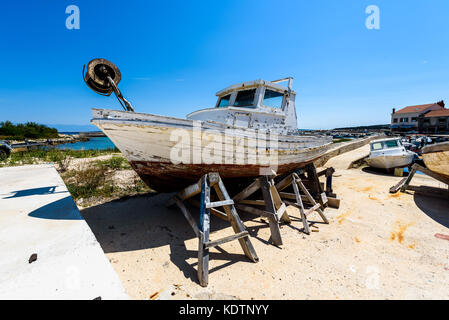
{"x": 436, "y": 158}
{"x": 389, "y": 153}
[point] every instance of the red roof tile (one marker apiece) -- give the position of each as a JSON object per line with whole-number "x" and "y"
{"x": 437, "y": 113}
{"x": 418, "y": 108}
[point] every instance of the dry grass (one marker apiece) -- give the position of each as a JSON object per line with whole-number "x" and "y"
{"x": 95, "y": 182}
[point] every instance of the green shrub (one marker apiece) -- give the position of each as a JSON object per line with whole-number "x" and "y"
{"x": 30, "y": 130}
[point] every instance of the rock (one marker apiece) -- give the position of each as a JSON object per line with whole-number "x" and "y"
{"x": 32, "y": 258}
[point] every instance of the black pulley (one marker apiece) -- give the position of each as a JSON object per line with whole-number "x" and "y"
{"x": 102, "y": 76}
{"x": 96, "y": 76}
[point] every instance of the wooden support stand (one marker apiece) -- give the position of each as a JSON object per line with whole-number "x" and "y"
{"x": 275, "y": 209}
{"x": 404, "y": 184}
{"x": 203, "y": 186}
{"x": 297, "y": 183}
{"x": 332, "y": 199}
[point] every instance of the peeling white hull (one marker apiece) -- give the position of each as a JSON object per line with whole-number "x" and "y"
{"x": 164, "y": 150}
{"x": 390, "y": 161}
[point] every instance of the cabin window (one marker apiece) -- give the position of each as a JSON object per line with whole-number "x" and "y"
{"x": 395, "y": 120}
{"x": 245, "y": 98}
{"x": 224, "y": 101}
{"x": 403, "y": 120}
{"x": 391, "y": 143}
{"x": 273, "y": 99}
{"x": 414, "y": 119}
{"x": 376, "y": 146}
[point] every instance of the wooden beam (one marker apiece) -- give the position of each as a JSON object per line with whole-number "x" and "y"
{"x": 218, "y": 242}
{"x": 309, "y": 211}
{"x": 409, "y": 178}
{"x": 188, "y": 216}
{"x": 399, "y": 185}
{"x": 255, "y": 211}
{"x": 215, "y": 212}
{"x": 300, "y": 205}
{"x": 273, "y": 220}
{"x": 284, "y": 183}
{"x": 236, "y": 223}
{"x": 245, "y": 193}
{"x": 203, "y": 251}
{"x": 219, "y": 203}
{"x": 333, "y": 202}
{"x": 253, "y": 202}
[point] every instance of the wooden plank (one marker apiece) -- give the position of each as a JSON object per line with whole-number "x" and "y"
{"x": 313, "y": 178}
{"x": 255, "y": 211}
{"x": 292, "y": 196}
{"x": 190, "y": 191}
{"x": 320, "y": 212}
{"x": 218, "y": 242}
{"x": 253, "y": 202}
{"x": 398, "y": 186}
{"x": 203, "y": 252}
{"x": 215, "y": 212}
{"x": 280, "y": 206}
{"x": 300, "y": 205}
{"x": 322, "y": 172}
{"x": 309, "y": 211}
{"x": 323, "y": 199}
{"x": 236, "y": 223}
{"x": 188, "y": 216}
{"x": 219, "y": 203}
{"x": 269, "y": 207}
{"x": 281, "y": 211}
{"x": 409, "y": 178}
{"x": 287, "y": 195}
{"x": 333, "y": 202}
{"x": 245, "y": 193}
{"x": 214, "y": 177}
{"x": 284, "y": 183}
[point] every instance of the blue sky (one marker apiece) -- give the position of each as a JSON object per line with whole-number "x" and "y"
{"x": 175, "y": 55}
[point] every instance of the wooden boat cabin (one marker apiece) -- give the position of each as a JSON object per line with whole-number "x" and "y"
{"x": 260, "y": 105}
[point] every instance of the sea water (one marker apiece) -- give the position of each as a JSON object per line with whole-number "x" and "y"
{"x": 95, "y": 143}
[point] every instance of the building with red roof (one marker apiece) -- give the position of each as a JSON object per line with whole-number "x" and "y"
{"x": 424, "y": 118}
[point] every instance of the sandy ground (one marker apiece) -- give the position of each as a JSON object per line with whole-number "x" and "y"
{"x": 377, "y": 246}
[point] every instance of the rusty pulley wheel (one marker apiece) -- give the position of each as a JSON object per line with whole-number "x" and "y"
{"x": 96, "y": 75}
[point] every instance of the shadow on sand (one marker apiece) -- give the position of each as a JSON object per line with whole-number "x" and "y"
{"x": 381, "y": 172}
{"x": 143, "y": 222}
{"x": 433, "y": 203}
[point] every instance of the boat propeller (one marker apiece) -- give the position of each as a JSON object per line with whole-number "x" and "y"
{"x": 102, "y": 76}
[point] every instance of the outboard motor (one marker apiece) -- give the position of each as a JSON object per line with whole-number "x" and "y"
{"x": 102, "y": 76}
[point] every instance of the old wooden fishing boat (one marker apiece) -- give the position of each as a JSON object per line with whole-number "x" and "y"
{"x": 251, "y": 131}
{"x": 436, "y": 158}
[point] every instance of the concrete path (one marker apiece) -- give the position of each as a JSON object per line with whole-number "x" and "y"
{"x": 342, "y": 162}
{"x": 38, "y": 216}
